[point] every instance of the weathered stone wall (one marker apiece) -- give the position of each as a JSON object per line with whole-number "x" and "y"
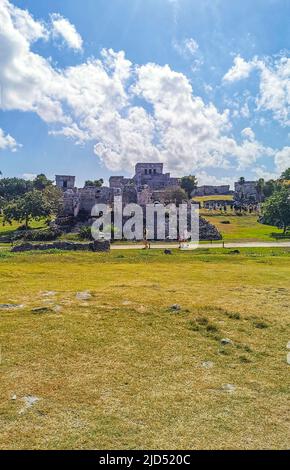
{"x": 65, "y": 246}
{"x": 211, "y": 190}
{"x": 144, "y": 196}
{"x": 65, "y": 182}
{"x": 119, "y": 182}
{"x": 246, "y": 192}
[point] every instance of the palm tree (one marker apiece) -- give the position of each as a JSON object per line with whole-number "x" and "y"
{"x": 260, "y": 189}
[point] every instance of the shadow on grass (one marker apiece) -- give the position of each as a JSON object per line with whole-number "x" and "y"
{"x": 281, "y": 236}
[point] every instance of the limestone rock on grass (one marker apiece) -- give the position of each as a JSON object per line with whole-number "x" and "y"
{"x": 207, "y": 364}
{"x": 175, "y": 308}
{"x": 10, "y": 306}
{"x": 83, "y": 295}
{"x": 226, "y": 341}
{"x": 41, "y": 310}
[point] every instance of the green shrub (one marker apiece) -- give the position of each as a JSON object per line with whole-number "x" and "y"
{"x": 38, "y": 235}
{"x": 85, "y": 233}
{"x": 260, "y": 324}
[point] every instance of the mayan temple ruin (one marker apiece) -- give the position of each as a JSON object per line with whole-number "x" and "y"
{"x": 149, "y": 185}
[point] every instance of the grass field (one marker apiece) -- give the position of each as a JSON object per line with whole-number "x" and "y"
{"x": 226, "y": 197}
{"x": 120, "y": 370}
{"x": 245, "y": 228}
{"x": 7, "y": 229}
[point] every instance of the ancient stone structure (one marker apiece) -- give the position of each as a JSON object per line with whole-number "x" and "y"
{"x": 211, "y": 190}
{"x": 151, "y": 174}
{"x": 65, "y": 182}
{"x": 246, "y": 192}
{"x": 147, "y": 184}
{"x": 96, "y": 246}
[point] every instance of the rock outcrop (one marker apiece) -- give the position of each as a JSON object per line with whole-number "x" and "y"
{"x": 208, "y": 231}
{"x": 96, "y": 246}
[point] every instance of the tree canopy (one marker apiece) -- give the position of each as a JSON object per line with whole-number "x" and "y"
{"x": 23, "y": 200}
{"x": 189, "y": 183}
{"x": 32, "y": 205}
{"x": 276, "y": 210}
{"x": 41, "y": 182}
{"x": 176, "y": 195}
{"x": 94, "y": 184}
{"x": 11, "y": 188}
{"x": 285, "y": 175}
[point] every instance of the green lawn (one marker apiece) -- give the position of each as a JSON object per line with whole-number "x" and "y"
{"x": 226, "y": 197}
{"x": 244, "y": 228}
{"x": 7, "y": 229}
{"x": 119, "y": 370}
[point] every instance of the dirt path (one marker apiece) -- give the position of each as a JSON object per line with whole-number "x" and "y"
{"x": 169, "y": 246}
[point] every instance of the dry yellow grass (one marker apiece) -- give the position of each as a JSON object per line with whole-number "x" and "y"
{"x": 121, "y": 371}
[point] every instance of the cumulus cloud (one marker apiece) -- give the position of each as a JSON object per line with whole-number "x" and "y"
{"x": 274, "y": 93}
{"x": 248, "y": 133}
{"x": 206, "y": 179}
{"x": 275, "y": 89}
{"x": 7, "y": 142}
{"x": 62, "y": 28}
{"x": 282, "y": 159}
{"x": 24, "y": 23}
{"x": 129, "y": 113}
{"x": 241, "y": 69}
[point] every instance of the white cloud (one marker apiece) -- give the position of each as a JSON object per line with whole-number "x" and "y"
{"x": 29, "y": 176}
{"x": 248, "y": 133}
{"x": 24, "y": 23}
{"x": 274, "y": 92}
{"x": 189, "y": 50}
{"x": 245, "y": 111}
{"x": 241, "y": 69}
{"x": 282, "y": 159}
{"x": 7, "y": 142}
{"x": 187, "y": 47}
{"x": 275, "y": 89}
{"x": 128, "y": 113}
{"x": 262, "y": 172}
{"x": 206, "y": 179}
{"x": 62, "y": 28}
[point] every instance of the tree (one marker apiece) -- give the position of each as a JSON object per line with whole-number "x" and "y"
{"x": 260, "y": 186}
{"x": 32, "y": 205}
{"x": 269, "y": 188}
{"x": 11, "y": 188}
{"x": 41, "y": 182}
{"x": 176, "y": 195}
{"x": 54, "y": 199}
{"x": 276, "y": 210}
{"x": 242, "y": 180}
{"x": 285, "y": 175}
{"x": 189, "y": 183}
{"x": 94, "y": 184}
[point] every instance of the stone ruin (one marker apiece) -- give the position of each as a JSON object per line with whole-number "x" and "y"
{"x": 149, "y": 185}
{"x": 246, "y": 192}
{"x": 211, "y": 190}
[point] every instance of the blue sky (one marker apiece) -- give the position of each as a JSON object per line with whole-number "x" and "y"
{"x": 90, "y": 87}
